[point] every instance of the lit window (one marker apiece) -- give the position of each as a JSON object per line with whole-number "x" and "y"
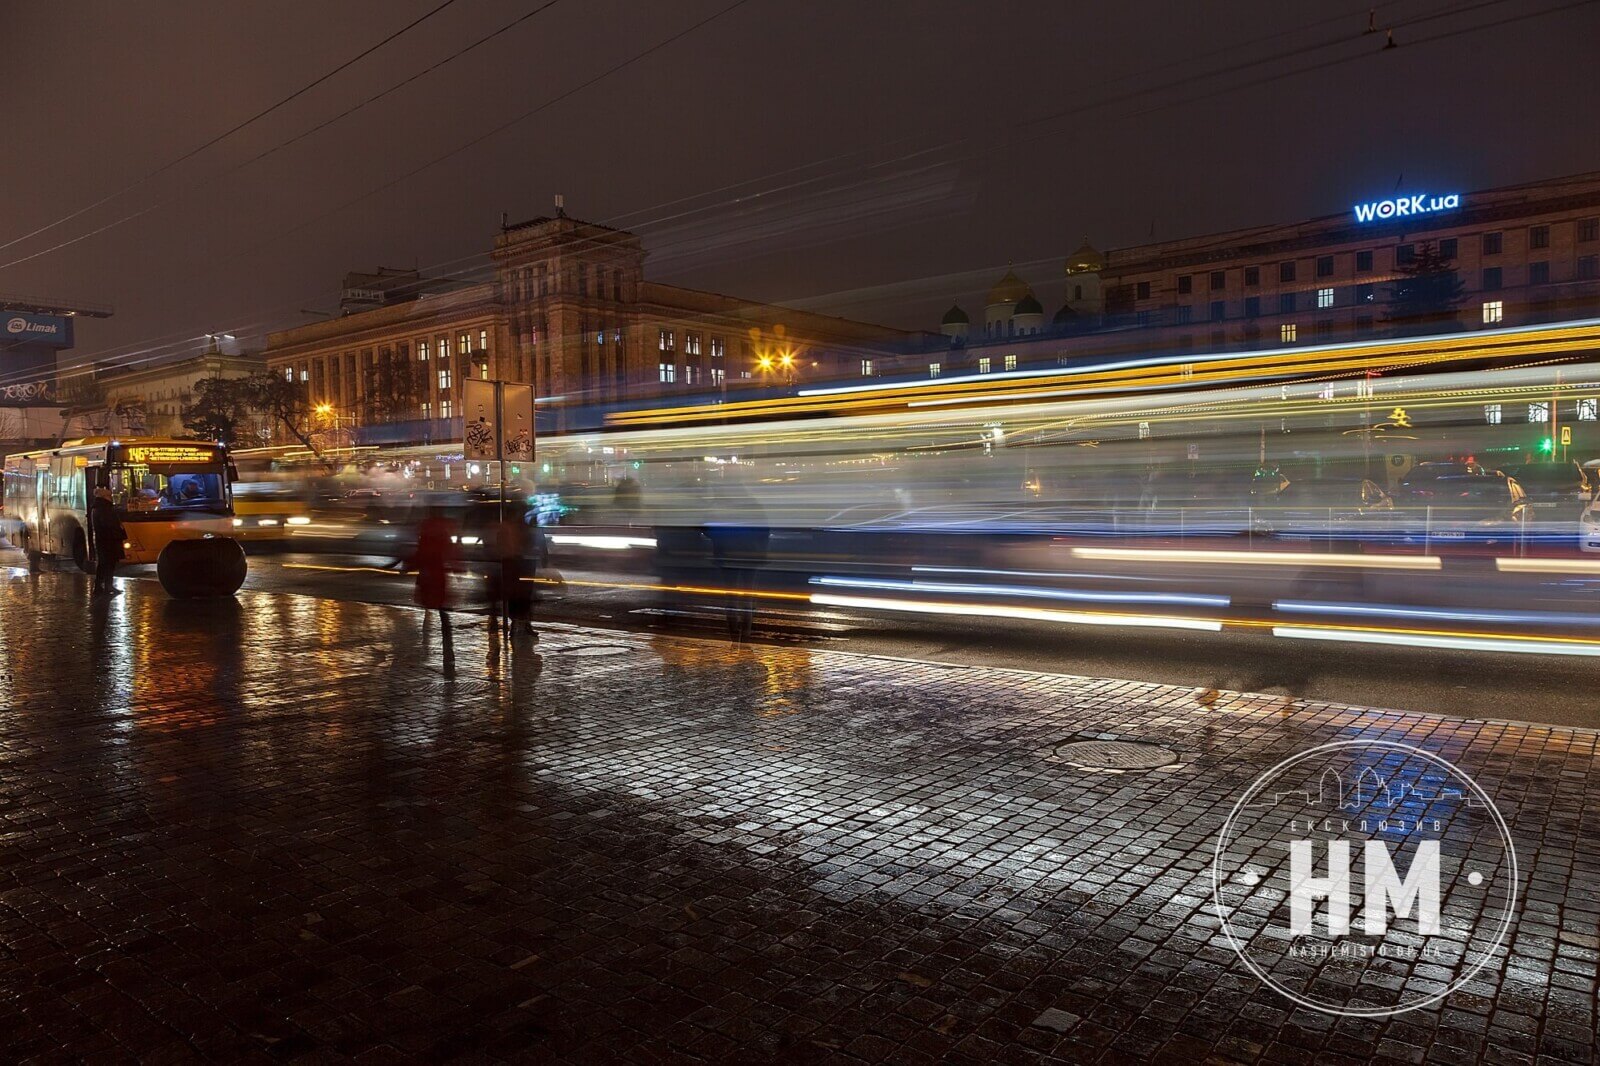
{"x": 1589, "y": 410}
{"x": 716, "y": 348}
{"x": 1493, "y": 311}
{"x": 600, "y": 338}
{"x": 1287, "y": 332}
{"x": 305, "y": 375}
{"x": 866, "y": 368}
{"x": 464, "y": 343}
{"x": 669, "y": 372}
{"x": 1491, "y": 413}
{"x": 689, "y": 374}
{"x": 667, "y": 341}
{"x": 718, "y": 375}
{"x": 444, "y": 377}
{"x": 1011, "y": 362}
{"x": 288, "y": 373}
{"x": 483, "y": 340}
{"x": 422, "y": 351}
{"x": 1539, "y": 411}
{"x": 444, "y": 409}
{"x": 1324, "y": 297}
{"x": 983, "y": 364}
{"x": 933, "y": 370}
{"x": 427, "y": 409}
{"x": 483, "y": 370}
{"x": 691, "y": 343}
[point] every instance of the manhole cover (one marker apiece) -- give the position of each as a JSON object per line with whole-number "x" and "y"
{"x": 591, "y": 651}
{"x": 1116, "y": 755}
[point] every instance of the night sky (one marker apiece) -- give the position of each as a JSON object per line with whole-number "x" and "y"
{"x": 873, "y": 159}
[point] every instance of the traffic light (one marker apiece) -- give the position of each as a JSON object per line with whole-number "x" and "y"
{"x": 1547, "y": 445}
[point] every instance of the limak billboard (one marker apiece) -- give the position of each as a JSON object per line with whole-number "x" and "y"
{"x": 46, "y": 331}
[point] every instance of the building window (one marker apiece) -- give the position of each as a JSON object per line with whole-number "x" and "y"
{"x": 1491, "y": 413}
{"x": 583, "y": 281}
{"x": 1324, "y": 327}
{"x": 1404, "y": 254}
{"x": 463, "y": 344}
{"x": 1364, "y": 261}
{"x": 1185, "y": 283}
{"x": 1011, "y": 362}
{"x": 983, "y": 364}
{"x": 689, "y": 373}
{"x": 1363, "y": 323}
{"x": 866, "y": 368}
{"x": 288, "y": 373}
{"x": 305, "y": 374}
{"x": 483, "y": 371}
{"x": 446, "y": 410}
{"x": 444, "y": 376}
{"x": 1252, "y": 275}
{"x": 718, "y": 376}
{"x": 427, "y": 409}
{"x": 1491, "y": 279}
{"x": 716, "y": 348}
{"x": 1589, "y": 409}
{"x": 422, "y": 351}
{"x": 1286, "y": 271}
{"x": 1252, "y": 306}
{"x": 1285, "y": 303}
{"x": 933, "y": 370}
{"x": 483, "y": 340}
{"x": 1493, "y": 311}
{"x": 1588, "y": 229}
{"x": 1143, "y": 290}
{"x": 691, "y": 343}
{"x": 1324, "y": 266}
{"x": 1219, "y": 280}
{"x": 1491, "y": 244}
{"x": 616, "y": 284}
{"x": 1287, "y": 332}
{"x": 1588, "y": 267}
{"x": 1185, "y": 313}
{"x": 1219, "y": 310}
{"x": 1539, "y": 273}
{"x": 1324, "y": 297}
{"x": 668, "y": 372}
{"x": 667, "y": 342}
{"x": 1539, "y": 411}
{"x": 600, "y": 338}
{"x": 1538, "y": 236}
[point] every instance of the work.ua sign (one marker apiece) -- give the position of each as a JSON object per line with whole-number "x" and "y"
{"x": 1406, "y": 206}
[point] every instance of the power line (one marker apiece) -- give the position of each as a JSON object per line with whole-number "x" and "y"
{"x": 225, "y": 134}
{"x": 281, "y": 145}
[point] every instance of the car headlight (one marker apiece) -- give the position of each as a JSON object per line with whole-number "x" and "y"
{"x": 299, "y": 520}
{"x": 238, "y": 522}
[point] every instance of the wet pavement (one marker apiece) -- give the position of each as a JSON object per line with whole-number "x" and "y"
{"x": 272, "y": 828}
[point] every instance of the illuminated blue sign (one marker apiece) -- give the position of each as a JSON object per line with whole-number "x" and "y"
{"x": 52, "y": 331}
{"x": 1406, "y": 206}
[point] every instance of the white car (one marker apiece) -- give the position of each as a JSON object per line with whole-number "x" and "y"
{"x": 1589, "y": 527}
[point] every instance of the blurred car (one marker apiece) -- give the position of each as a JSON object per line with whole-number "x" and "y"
{"x": 1325, "y": 506}
{"x": 1418, "y": 483}
{"x": 1483, "y": 508}
{"x": 267, "y": 511}
{"x": 1554, "y": 486}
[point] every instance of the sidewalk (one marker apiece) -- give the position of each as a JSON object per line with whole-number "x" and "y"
{"x": 273, "y": 829}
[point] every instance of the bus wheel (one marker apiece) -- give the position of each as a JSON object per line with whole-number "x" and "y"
{"x": 80, "y": 552}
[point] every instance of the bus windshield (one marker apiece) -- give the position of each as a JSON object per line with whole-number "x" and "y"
{"x": 159, "y": 491}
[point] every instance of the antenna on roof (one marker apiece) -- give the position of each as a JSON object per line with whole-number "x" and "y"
{"x": 561, "y": 206}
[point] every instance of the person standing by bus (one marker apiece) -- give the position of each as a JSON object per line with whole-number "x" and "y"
{"x": 108, "y": 539}
{"x": 433, "y": 559}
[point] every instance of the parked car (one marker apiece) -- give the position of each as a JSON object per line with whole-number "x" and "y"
{"x": 1554, "y": 486}
{"x": 1483, "y": 508}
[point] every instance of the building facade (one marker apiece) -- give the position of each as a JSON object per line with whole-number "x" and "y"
{"x": 152, "y": 400}
{"x": 569, "y": 310}
{"x": 1521, "y": 254}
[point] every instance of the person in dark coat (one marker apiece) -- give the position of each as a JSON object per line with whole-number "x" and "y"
{"x": 106, "y": 526}
{"x": 434, "y": 558}
{"x": 514, "y": 595}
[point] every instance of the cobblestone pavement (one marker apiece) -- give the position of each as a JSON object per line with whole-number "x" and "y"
{"x": 270, "y": 828}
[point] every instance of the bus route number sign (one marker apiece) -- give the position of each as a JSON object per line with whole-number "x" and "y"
{"x": 167, "y": 453}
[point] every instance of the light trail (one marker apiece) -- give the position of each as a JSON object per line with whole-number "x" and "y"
{"x": 1031, "y": 614}
{"x": 1435, "y": 613}
{"x": 1182, "y": 599}
{"x": 1411, "y": 639}
{"x": 1261, "y": 558}
{"x": 1547, "y": 566}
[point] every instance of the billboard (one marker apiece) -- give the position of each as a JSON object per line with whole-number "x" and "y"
{"x": 48, "y": 331}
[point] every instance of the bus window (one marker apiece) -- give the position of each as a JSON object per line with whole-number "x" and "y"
{"x": 163, "y": 490}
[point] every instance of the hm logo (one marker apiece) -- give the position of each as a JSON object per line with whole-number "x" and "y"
{"x": 1418, "y": 891}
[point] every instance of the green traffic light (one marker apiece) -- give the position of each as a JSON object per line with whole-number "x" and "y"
{"x": 1547, "y": 445}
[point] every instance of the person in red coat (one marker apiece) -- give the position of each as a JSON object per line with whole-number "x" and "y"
{"x": 434, "y": 559}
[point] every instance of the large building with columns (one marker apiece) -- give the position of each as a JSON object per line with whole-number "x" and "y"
{"x": 568, "y": 309}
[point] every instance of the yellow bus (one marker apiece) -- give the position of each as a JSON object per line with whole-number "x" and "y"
{"x": 164, "y": 490}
